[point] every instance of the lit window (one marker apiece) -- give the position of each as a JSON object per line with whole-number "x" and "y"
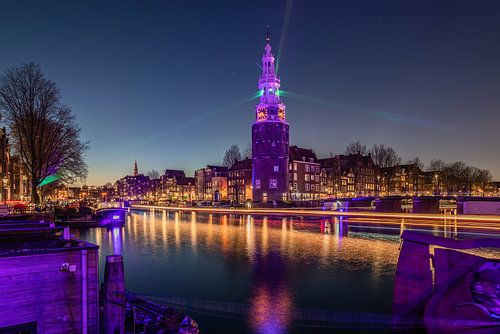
{"x": 307, "y": 177}
{"x": 276, "y": 168}
{"x": 273, "y": 183}
{"x": 307, "y": 168}
{"x": 294, "y": 166}
{"x": 257, "y": 184}
{"x": 295, "y": 176}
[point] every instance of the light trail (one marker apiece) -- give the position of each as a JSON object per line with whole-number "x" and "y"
{"x": 183, "y": 124}
{"x": 300, "y": 212}
{"x": 284, "y": 31}
{"x": 349, "y": 108}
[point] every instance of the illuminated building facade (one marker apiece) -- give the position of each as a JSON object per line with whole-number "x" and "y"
{"x": 270, "y": 133}
{"x": 240, "y": 181}
{"x": 350, "y": 175}
{"x": 175, "y": 186}
{"x": 133, "y": 186}
{"x": 305, "y": 175}
{"x": 211, "y": 183}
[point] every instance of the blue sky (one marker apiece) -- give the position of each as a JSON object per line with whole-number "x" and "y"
{"x": 167, "y": 82}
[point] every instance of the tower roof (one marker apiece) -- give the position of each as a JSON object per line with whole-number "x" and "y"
{"x": 136, "y": 170}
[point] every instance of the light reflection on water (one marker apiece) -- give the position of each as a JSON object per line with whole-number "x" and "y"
{"x": 273, "y": 264}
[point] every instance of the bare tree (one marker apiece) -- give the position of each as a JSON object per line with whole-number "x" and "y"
{"x": 416, "y": 162}
{"x": 482, "y": 178}
{"x": 437, "y": 165}
{"x": 231, "y": 156}
{"x": 153, "y": 174}
{"x": 247, "y": 153}
{"x": 387, "y": 159}
{"x": 44, "y": 132}
{"x": 356, "y": 148}
{"x": 385, "y": 156}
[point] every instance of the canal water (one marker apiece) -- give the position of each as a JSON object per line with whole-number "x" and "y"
{"x": 254, "y": 274}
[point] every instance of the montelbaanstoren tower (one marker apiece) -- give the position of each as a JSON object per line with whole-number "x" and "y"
{"x": 269, "y": 137}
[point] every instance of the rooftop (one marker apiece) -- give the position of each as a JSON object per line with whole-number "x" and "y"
{"x": 28, "y": 238}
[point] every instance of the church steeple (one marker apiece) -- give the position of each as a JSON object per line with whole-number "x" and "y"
{"x": 136, "y": 171}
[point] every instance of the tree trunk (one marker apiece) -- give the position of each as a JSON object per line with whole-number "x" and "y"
{"x": 35, "y": 198}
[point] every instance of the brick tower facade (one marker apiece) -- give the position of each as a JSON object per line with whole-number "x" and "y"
{"x": 269, "y": 137}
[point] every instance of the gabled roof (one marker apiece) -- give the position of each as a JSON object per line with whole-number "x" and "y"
{"x": 242, "y": 164}
{"x": 302, "y": 154}
{"x": 174, "y": 173}
{"x": 347, "y": 161}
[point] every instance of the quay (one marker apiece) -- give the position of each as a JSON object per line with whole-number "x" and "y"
{"x": 50, "y": 284}
{"x": 470, "y": 221}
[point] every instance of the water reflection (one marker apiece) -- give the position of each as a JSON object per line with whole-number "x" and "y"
{"x": 271, "y": 302}
{"x": 271, "y": 263}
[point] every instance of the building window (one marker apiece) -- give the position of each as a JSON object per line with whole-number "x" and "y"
{"x": 295, "y": 187}
{"x": 276, "y": 168}
{"x": 295, "y": 176}
{"x": 273, "y": 183}
{"x": 294, "y": 166}
{"x": 257, "y": 184}
{"x": 307, "y": 168}
{"x": 317, "y": 169}
{"x": 307, "y": 177}
{"x": 307, "y": 187}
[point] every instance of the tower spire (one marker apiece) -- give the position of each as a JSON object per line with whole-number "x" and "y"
{"x": 268, "y": 34}
{"x": 136, "y": 171}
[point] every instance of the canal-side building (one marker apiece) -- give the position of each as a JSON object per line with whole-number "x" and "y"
{"x": 240, "y": 181}
{"x": 211, "y": 183}
{"x": 270, "y": 137}
{"x": 175, "y": 186}
{"x": 304, "y": 174}
{"x": 19, "y": 181}
{"x": 350, "y": 175}
{"x": 133, "y": 187}
{"x": 4, "y": 166}
{"x": 401, "y": 180}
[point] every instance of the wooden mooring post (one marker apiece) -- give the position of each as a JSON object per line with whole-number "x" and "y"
{"x": 114, "y": 295}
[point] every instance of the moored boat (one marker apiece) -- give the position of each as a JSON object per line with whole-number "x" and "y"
{"x": 144, "y": 316}
{"x": 110, "y": 214}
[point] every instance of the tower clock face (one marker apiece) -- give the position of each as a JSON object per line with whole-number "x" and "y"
{"x": 261, "y": 113}
{"x": 281, "y": 114}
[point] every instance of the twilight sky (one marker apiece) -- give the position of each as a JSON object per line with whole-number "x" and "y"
{"x": 169, "y": 82}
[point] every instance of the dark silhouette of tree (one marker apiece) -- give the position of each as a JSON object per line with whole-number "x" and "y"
{"x": 385, "y": 156}
{"x": 482, "y": 178}
{"x": 437, "y": 165}
{"x": 44, "y": 131}
{"x": 247, "y": 153}
{"x": 387, "y": 161}
{"x": 153, "y": 174}
{"x": 417, "y": 162}
{"x": 231, "y": 156}
{"x": 355, "y": 148}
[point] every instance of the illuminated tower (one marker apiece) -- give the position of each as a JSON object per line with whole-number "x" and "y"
{"x": 269, "y": 137}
